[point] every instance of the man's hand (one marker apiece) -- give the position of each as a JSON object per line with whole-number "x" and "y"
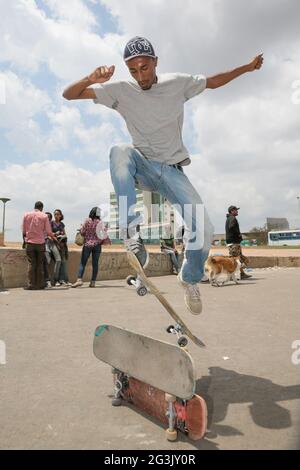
{"x": 79, "y": 90}
{"x": 102, "y": 74}
{"x": 256, "y": 63}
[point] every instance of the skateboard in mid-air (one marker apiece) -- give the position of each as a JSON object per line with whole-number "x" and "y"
{"x": 142, "y": 281}
{"x": 156, "y": 377}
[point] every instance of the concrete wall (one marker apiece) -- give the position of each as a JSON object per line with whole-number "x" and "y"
{"x": 113, "y": 265}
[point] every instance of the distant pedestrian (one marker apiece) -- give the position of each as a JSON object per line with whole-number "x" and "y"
{"x": 47, "y": 257}
{"x": 234, "y": 238}
{"x": 167, "y": 246}
{"x": 35, "y": 225}
{"x": 58, "y": 227}
{"x": 95, "y": 234}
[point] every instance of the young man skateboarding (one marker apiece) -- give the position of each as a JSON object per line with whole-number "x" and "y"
{"x": 152, "y": 105}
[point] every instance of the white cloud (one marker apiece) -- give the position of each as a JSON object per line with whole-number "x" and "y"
{"x": 59, "y": 185}
{"x": 25, "y": 104}
{"x": 23, "y": 100}
{"x": 72, "y": 11}
{"x": 64, "y": 43}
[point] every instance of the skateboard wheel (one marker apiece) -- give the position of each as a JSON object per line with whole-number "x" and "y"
{"x": 170, "y": 328}
{"x": 129, "y": 280}
{"x": 171, "y": 435}
{"x": 182, "y": 341}
{"x": 116, "y": 401}
{"x": 170, "y": 398}
{"x": 142, "y": 291}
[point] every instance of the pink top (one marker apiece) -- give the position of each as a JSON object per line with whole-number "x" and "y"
{"x": 35, "y": 226}
{"x": 94, "y": 232}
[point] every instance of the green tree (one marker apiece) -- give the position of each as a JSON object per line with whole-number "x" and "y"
{"x": 260, "y": 234}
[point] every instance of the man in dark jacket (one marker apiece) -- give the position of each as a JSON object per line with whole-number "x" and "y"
{"x": 234, "y": 238}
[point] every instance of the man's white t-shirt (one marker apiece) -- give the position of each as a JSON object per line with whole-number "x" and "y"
{"x": 154, "y": 117}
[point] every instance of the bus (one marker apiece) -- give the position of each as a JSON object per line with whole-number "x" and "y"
{"x": 284, "y": 237}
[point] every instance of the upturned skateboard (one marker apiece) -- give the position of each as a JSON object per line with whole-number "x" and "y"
{"x": 180, "y": 327}
{"x": 156, "y": 377}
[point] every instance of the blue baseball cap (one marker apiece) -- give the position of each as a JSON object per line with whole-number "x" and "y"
{"x": 138, "y": 46}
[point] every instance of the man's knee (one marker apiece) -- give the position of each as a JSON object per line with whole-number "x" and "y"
{"x": 122, "y": 162}
{"x": 120, "y": 151}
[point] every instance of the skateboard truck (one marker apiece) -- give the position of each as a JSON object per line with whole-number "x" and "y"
{"x": 177, "y": 330}
{"x": 137, "y": 283}
{"x": 120, "y": 383}
{"x": 171, "y": 414}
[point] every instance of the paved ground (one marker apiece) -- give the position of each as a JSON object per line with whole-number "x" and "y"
{"x": 55, "y": 395}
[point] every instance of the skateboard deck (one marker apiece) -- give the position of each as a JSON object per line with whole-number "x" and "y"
{"x": 157, "y": 363}
{"x": 134, "y": 263}
{"x": 189, "y": 416}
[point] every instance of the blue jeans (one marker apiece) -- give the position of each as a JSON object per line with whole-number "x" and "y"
{"x": 63, "y": 272}
{"x": 129, "y": 168}
{"x": 86, "y": 251}
{"x": 56, "y": 255}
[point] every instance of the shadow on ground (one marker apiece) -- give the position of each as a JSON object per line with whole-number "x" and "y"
{"x": 226, "y": 387}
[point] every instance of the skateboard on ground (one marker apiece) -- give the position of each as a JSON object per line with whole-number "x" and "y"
{"x": 156, "y": 377}
{"x": 142, "y": 281}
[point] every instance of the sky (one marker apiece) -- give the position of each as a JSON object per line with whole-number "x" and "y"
{"x": 243, "y": 138}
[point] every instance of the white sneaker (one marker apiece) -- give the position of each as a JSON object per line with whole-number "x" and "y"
{"x": 57, "y": 284}
{"x": 48, "y": 285}
{"x": 204, "y": 280}
{"x": 192, "y": 296}
{"x": 78, "y": 283}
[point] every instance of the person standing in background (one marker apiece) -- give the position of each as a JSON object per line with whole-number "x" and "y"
{"x": 47, "y": 257}
{"x": 234, "y": 238}
{"x": 35, "y": 225}
{"x": 95, "y": 234}
{"x": 61, "y": 249}
{"x": 167, "y": 245}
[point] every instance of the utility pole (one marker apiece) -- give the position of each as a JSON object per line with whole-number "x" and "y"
{"x": 4, "y": 200}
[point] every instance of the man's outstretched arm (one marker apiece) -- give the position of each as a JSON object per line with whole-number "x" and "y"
{"x": 80, "y": 91}
{"x": 222, "y": 78}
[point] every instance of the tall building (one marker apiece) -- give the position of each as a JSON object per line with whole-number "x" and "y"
{"x": 277, "y": 223}
{"x": 156, "y": 213}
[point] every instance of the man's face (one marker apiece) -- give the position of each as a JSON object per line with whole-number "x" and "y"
{"x": 143, "y": 70}
{"x": 235, "y": 212}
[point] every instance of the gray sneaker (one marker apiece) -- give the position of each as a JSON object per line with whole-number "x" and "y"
{"x": 137, "y": 247}
{"x": 192, "y": 296}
